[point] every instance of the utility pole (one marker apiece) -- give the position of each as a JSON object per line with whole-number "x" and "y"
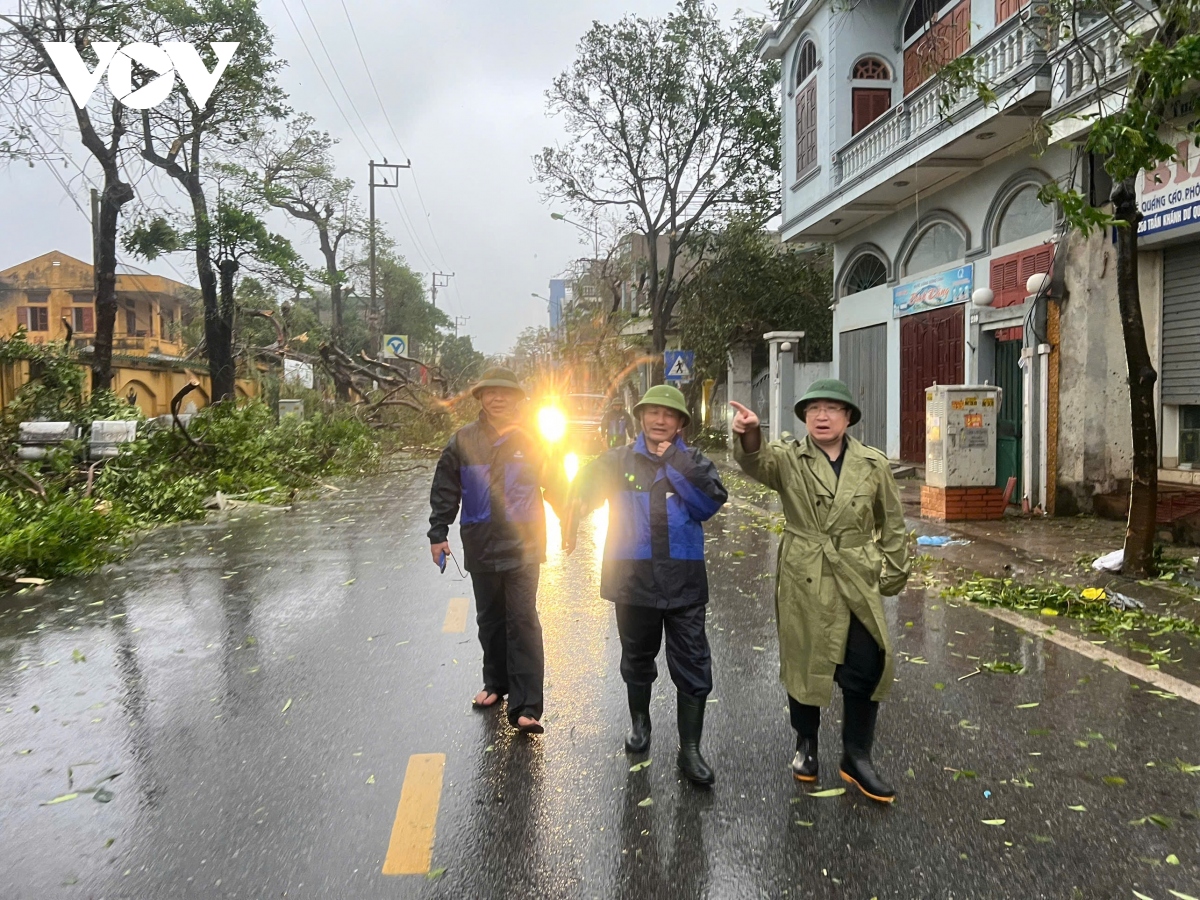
{"x": 374, "y": 319}
{"x": 458, "y": 321}
{"x": 433, "y": 279}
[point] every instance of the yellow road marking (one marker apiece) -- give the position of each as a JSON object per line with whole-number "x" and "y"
{"x": 456, "y": 615}
{"x": 410, "y": 849}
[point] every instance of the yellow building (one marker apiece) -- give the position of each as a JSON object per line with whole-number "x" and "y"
{"x": 43, "y": 294}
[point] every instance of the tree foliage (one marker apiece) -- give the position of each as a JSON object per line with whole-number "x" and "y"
{"x": 32, "y": 94}
{"x": 749, "y": 285}
{"x": 185, "y": 140}
{"x": 673, "y": 122}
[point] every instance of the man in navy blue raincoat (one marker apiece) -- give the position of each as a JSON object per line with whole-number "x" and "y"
{"x": 496, "y": 470}
{"x": 659, "y": 492}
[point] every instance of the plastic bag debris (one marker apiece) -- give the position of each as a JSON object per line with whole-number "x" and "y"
{"x": 939, "y": 540}
{"x": 1124, "y": 601}
{"x": 1110, "y": 562}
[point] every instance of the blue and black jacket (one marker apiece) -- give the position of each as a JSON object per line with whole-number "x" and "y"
{"x": 654, "y": 552}
{"x": 498, "y": 480}
{"x": 618, "y": 428}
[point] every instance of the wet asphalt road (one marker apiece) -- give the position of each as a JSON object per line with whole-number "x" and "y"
{"x": 260, "y": 683}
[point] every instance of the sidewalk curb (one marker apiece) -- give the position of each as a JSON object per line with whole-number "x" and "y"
{"x": 1170, "y": 683}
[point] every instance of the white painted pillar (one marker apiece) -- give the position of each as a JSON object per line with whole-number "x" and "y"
{"x": 782, "y": 380}
{"x": 741, "y": 377}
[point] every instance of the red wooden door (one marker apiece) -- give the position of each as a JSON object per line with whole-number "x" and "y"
{"x": 1006, "y": 9}
{"x": 948, "y": 38}
{"x": 931, "y": 352}
{"x": 869, "y": 104}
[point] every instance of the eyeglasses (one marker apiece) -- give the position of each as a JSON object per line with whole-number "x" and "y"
{"x": 824, "y": 409}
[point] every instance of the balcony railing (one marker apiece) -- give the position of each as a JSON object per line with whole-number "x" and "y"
{"x": 1010, "y": 50}
{"x": 1088, "y": 64}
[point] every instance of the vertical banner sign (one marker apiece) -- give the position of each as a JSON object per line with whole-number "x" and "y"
{"x": 678, "y": 366}
{"x": 395, "y": 345}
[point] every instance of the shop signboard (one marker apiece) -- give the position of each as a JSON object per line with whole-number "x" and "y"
{"x": 934, "y": 291}
{"x": 1169, "y": 196}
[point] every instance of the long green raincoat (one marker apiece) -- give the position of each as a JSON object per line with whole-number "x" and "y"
{"x": 844, "y": 548}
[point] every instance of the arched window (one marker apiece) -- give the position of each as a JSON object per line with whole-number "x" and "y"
{"x": 806, "y": 108}
{"x": 869, "y": 103}
{"x": 806, "y": 62}
{"x": 871, "y": 68}
{"x": 1024, "y": 215}
{"x": 939, "y": 245}
{"x": 868, "y": 271}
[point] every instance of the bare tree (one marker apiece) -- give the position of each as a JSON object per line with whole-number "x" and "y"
{"x": 298, "y": 176}
{"x": 34, "y": 93}
{"x": 181, "y": 137}
{"x": 673, "y": 122}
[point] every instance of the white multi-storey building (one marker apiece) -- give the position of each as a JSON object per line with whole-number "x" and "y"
{"x": 928, "y": 193}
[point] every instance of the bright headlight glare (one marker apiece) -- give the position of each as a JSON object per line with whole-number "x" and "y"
{"x": 552, "y": 424}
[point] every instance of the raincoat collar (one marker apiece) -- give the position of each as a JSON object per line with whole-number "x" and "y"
{"x": 818, "y": 464}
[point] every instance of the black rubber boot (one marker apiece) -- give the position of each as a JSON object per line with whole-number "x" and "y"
{"x": 804, "y": 764}
{"x": 858, "y": 734}
{"x": 691, "y": 727}
{"x": 639, "y": 711}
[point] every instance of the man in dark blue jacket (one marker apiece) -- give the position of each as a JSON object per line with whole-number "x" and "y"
{"x": 659, "y": 492}
{"x": 617, "y": 425}
{"x": 496, "y": 470}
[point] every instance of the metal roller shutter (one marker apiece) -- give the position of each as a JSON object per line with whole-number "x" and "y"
{"x": 863, "y": 363}
{"x": 1181, "y": 326}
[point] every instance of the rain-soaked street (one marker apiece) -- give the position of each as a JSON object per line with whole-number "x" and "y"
{"x": 233, "y": 712}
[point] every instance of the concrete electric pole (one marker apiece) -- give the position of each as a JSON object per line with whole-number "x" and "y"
{"x": 434, "y": 285}
{"x": 374, "y": 319}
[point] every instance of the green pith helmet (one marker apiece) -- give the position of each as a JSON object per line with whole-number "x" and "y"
{"x": 497, "y": 377}
{"x": 665, "y": 395}
{"x": 829, "y": 389}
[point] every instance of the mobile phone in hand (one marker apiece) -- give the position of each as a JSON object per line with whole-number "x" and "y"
{"x": 442, "y": 562}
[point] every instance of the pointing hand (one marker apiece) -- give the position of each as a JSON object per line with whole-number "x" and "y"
{"x": 744, "y": 420}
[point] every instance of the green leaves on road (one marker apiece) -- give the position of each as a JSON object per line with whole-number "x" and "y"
{"x": 831, "y": 792}
{"x": 637, "y": 767}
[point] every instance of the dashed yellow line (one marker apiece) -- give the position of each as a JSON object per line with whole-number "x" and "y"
{"x": 456, "y": 615}
{"x": 410, "y": 850}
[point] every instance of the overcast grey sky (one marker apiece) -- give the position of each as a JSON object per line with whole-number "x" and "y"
{"x": 463, "y": 83}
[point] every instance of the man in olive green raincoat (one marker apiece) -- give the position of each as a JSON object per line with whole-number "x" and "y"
{"x": 844, "y": 548}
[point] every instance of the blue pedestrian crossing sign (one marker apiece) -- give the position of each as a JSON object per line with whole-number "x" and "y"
{"x": 679, "y": 365}
{"x": 395, "y": 345}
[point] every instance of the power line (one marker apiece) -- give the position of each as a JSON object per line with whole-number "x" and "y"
{"x": 405, "y": 217}
{"x": 338, "y": 76}
{"x": 399, "y": 143}
{"x": 371, "y": 78}
{"x": 425, "y": 258}
{"x": 321, "y": 75}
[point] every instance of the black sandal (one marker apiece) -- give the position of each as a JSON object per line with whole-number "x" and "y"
{"x": 534, "y": 727}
